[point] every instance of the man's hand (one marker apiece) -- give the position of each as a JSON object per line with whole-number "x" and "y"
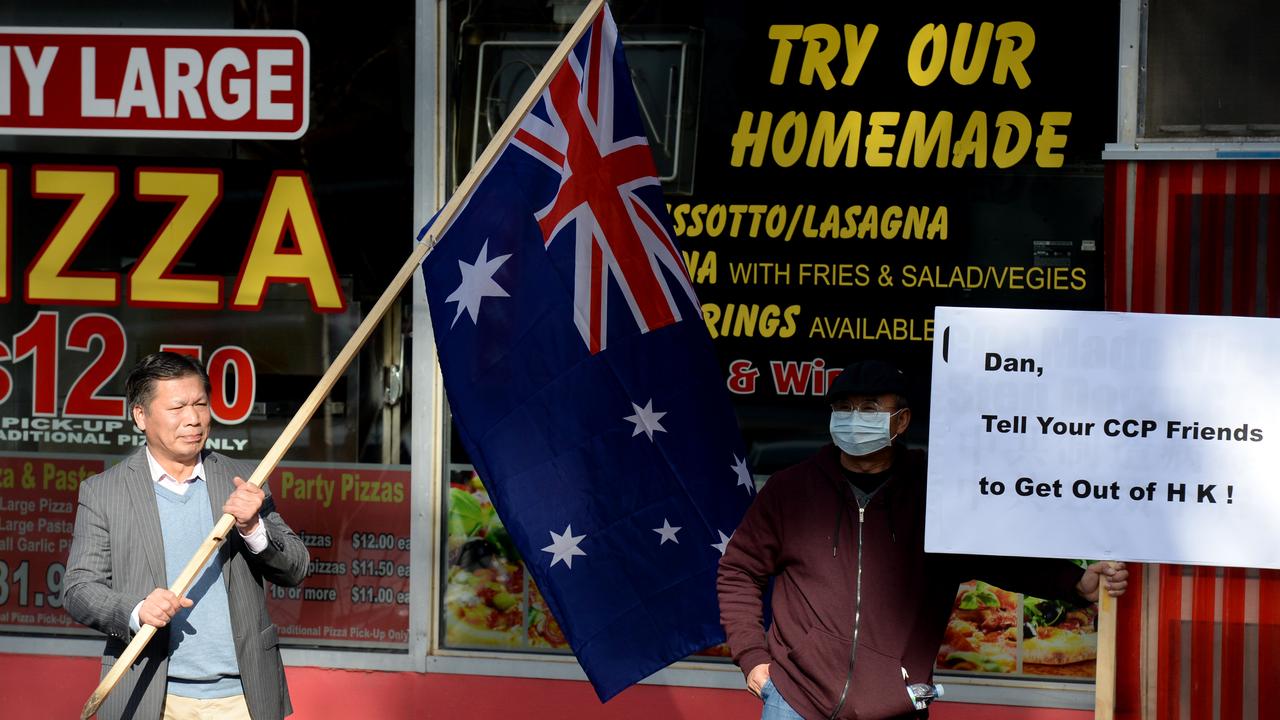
{"x": 244, "y": 505}
{"x": 1115, "y": 574}
{"x": 160, "y": 606}
{"x": 757, "y": 678}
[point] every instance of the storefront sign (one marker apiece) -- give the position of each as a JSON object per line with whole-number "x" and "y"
{"x": 355, "y": 522}
{"x": 1120, "y": 436}
{"x": 857, "y": 167}
{"x": 154, "y": 83}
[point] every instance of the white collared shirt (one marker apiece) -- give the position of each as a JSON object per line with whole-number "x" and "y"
{"x": 256, "y": 541}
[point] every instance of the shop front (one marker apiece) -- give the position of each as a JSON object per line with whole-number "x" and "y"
{"x": 241, "y": 182}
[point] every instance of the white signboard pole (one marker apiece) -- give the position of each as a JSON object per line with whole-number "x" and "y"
{"x": 1125, "y": 436}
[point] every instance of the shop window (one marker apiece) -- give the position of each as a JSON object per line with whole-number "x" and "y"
{"x": 264, "y": 274}
{"x": 490, "y": 602}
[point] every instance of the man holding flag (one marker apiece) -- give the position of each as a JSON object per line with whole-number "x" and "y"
{"x": 581, "y": 376}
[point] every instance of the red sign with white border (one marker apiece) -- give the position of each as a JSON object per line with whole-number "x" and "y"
{"x": 251, "y": 84}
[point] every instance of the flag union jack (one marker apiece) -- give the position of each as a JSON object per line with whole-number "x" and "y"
{"x": 617, "y": 235}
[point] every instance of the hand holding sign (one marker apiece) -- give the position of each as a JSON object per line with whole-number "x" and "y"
{"x": 1113, "y": 575}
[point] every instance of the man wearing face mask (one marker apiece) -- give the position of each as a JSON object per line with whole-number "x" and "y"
{"x": 857, "y": 605}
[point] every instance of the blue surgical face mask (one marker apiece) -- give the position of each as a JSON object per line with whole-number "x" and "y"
{"x": 861, "y": 433}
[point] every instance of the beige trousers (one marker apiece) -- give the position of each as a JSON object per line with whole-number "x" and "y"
{"x": 185, "y": 708}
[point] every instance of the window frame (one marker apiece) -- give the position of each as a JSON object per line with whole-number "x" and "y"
{"x": 1130, "y": 102}
{"x": 430, "y": 426}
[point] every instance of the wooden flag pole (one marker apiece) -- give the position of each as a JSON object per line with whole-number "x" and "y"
{"x": 1104, "y": 699}
{"x": 348, "y": 353}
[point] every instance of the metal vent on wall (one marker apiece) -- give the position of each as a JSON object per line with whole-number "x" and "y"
{"x": 664, "y": 73}
{"x": 1212, "y": 70}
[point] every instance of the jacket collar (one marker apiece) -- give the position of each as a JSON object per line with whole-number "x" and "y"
{"x": 218, "y": 476}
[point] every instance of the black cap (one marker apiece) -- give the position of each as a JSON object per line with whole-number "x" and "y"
{"x": 868, "y": 377}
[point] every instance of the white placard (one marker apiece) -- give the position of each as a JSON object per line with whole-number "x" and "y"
{"x": 1125, "y": 436}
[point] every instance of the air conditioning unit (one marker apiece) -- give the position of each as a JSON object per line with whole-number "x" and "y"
{"x": 665, "y": 71}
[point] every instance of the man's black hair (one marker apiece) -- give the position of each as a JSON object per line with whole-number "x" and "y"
{"x": 140, "y": 386}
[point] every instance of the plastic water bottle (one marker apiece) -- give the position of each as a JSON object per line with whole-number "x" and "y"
{"x": 922, "y": 694}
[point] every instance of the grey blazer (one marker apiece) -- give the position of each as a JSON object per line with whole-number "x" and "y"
{"x": 117, "y": 558}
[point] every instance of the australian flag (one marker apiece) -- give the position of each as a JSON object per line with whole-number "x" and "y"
{"x": 582, "y": 378}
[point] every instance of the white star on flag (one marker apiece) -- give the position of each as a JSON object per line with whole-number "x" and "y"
{"x": 667, "y": 532}
{"x": 564, "y": 547}
{"x": 646, "y": 420}
{"x": 477, "y": 284}
{"x": 744, "y": 478}
{"x": 724, "y": 543}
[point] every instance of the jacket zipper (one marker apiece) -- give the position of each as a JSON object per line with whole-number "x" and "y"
{"x": 857, "y": 615}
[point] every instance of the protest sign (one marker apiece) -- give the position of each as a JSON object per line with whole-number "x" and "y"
{"x": 1121, "y": 436}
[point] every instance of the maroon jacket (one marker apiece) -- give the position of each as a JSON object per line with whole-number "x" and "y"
{"x": 803, "y": 530}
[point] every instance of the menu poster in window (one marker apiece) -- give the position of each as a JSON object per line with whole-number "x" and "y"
{"x": 354, "y": 520}
{"x": 37, "y": 517}
{"x": 486, "y": 601}
{"x": 996, "y": 632}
